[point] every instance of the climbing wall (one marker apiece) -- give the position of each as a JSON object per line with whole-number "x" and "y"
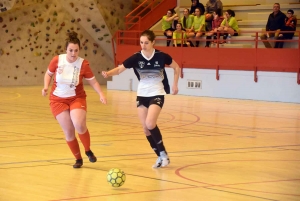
{"x": 34, "y": 31}
{"x": 114, "y": 12}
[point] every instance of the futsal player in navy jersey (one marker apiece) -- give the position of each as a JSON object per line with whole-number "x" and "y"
{"x": 149, "y": 67}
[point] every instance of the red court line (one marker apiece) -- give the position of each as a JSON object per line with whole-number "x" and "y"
{"x": 177, "y": 172}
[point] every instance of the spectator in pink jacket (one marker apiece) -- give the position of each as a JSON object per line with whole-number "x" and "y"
{"x": 218, "y": 19}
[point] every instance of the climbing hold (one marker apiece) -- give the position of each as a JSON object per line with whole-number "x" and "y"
{"x": 48, "y": 20}
{"x": 9, "y": 41}
{"x": 94, "y": 26}
{"x": 101, "y": 38}
{"x": 1, "y": 19}
{"x": 76, "y": 9}
{"x": 55, "y": 13}
{"x": 78, "y": 19}
{"x": 4, "y": 26}
{"x": 97, "y": 30}
{"x": 95, "y": 51}
{"x": 106, "y": 34}
{"x": 63, "y": 24}
{"x": 41, "y": 20}
{"x": 102, "y": 26}
{"x": 96, "y": 45}
{"x": 73, "y": 20}
{"x": 72, "y": 5}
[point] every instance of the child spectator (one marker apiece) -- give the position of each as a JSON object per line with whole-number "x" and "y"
{"x": 179, "y": 36}
{"x": 167, "y": 22}
{"x": 216, "y": 23}
{"x": 229, "y": 25}
{"x": 198, "y": 26}
{"x": 290, "y": 25}
{"x": 187, "y": 22}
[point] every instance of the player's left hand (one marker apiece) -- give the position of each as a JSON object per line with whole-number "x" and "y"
{"x": 103, "y": 99}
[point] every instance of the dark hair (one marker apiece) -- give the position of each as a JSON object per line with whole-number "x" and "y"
{"x": 231, "y": 12}
{"x": 72, "y": 38}
{"x": 201, "y": 11}
{"x": 150, "y": 35}
{"x": 172, "y": 11}
{"x": 179, "y": 24}
{"x": 291, "y": 11}
{"x": 184, "y": 18}
{"x": 219, "y": 12}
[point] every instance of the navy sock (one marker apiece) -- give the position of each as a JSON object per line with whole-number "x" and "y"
{"x": 152, "y": 144}
{"x": 156, "y": 135}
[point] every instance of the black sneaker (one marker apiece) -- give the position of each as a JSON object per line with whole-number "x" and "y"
{"x": 78, "y": 163}
{"x": 91, "y": 156}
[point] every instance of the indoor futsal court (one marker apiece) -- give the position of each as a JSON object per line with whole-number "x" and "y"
{"x": 220, "y": 150}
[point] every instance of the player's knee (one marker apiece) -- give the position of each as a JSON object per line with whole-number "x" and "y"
{"x": 150, "y": 125}
{"x": 81, "y": 128}
{"x": 70, "y": 136}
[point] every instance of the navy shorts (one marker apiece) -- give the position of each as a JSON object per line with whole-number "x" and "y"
{"x": 147, "y": 101}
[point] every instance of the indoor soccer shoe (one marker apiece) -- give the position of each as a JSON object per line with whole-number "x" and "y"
{"x": 91, "y": 156}
{"x": 164, "y": 159}
{"x": 78, "y": 163}
{"x": 157, "y": 163}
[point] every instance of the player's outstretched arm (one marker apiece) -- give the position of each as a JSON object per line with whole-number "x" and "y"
{"x": 176, "y": 68}
{"x": 115, "y": 71}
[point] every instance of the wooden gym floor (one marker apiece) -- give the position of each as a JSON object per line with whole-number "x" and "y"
{"x": 220, "y": 150}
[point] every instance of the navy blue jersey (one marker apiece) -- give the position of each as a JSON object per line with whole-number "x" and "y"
{"x": 150, "y": 72}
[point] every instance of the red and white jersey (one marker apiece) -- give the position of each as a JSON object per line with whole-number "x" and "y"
{"x": 68, "y": 77}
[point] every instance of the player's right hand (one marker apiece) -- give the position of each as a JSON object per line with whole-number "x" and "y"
{"x": 44, "y": 92}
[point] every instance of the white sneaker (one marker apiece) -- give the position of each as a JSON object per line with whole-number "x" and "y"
{"x": 157, "y": 163}
{"x": 164, "y": 159}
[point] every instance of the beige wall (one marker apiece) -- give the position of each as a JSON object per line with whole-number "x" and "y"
{"x": 35, "y": 30}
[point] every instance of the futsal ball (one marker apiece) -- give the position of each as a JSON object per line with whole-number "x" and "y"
{"x": 116, "y": 177}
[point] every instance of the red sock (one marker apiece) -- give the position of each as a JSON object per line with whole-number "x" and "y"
{"x": 74, "y": 146}
{"x": 85, "y": 139}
